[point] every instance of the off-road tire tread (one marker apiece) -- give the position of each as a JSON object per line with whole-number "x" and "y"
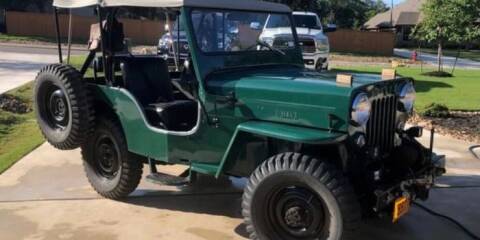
{"x": 132, "y": 164}
{"x": 81, "y": 103}
{"x": 321, "y": 170}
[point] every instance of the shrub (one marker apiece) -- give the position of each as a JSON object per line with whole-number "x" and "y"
{"x": 438, "y": 74}
{"x": 436, "y": 110}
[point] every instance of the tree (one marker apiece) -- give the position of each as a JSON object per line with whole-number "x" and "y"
{"x": 375, "y": 7}
{"x": 15, "y": 5}
{"x": 452, "y": 21}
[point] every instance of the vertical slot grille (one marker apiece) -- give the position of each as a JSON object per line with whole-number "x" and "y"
{"x": 381, "y": 126}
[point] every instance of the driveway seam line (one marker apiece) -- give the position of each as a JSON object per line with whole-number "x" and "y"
{"x": 124, "y": 200}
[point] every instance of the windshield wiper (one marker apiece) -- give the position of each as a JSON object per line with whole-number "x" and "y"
{"x": 272, "y": 48}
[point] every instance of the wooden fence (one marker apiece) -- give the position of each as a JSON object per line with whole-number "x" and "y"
{"x": 43, "y": 25}
{"x": 351, "y": 41}
{"x": 148, "y": 32}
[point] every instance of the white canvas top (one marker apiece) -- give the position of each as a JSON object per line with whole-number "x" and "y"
{"x": 222, "y": 4}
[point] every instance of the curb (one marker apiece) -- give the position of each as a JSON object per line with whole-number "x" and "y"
{"x": 41, "y": 46}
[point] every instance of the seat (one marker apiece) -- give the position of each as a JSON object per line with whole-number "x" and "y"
{"x": 180, "y": 115}
{"x": 147, "y": 78}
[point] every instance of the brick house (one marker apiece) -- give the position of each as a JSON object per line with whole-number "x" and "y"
{"x": 401, "y": 19}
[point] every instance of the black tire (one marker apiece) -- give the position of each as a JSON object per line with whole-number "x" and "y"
{"x": 63, "y": 106}
{"x": 111, "y": 169}
{"x": 319, "y": 66}
{"x": 294, "y": 196}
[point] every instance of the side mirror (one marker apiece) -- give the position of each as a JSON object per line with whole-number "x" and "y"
{"x": 330, "y": 28}
{"x": 255, "y": 25}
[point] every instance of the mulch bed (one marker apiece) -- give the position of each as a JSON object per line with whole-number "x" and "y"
{"x": 461, "y": 125}
{"x": 13, "y": 104}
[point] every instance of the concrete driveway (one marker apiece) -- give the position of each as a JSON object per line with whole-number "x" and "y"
{"x": 46, "y": 196}
{"x": 431, "y": 59}
{"x": 19, "y": 64}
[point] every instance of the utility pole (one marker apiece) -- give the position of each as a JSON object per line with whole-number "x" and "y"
{"x": 391, "y": 14}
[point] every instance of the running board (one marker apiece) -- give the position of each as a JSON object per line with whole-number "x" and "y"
{"x": 168, "y": 180}
{"x": 156, "y": 177}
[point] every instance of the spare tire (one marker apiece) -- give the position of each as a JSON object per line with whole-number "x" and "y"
{"x": 63, "y": 106}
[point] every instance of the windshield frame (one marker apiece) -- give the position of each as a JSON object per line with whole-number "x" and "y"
{"x": 242, "y": 52}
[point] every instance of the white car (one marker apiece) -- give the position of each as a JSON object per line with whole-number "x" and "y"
{"x": 314, "y": 42}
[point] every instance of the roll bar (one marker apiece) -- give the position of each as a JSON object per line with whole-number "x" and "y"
{"x": 57, "y": 29}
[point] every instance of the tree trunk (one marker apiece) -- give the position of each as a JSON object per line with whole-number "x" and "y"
{"x": 456, "y": 60}
{"x": 440, "y": 68}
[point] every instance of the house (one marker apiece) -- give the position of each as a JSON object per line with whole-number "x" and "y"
{"x": 401, "y": 19}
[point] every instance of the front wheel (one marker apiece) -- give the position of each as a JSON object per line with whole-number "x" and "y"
{"x": 294, "y": 196}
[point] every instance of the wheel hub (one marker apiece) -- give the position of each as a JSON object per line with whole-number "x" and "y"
{"x": 298, "y": 212}
{"x": 107, "y": 157}
{"x": 296, "y": 217}
{"x": 57, "y": 108}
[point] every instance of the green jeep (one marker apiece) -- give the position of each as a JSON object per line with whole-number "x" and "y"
{"x": 320, "y": 149}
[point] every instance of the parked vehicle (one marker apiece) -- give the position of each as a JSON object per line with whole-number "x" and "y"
{"x": 176, "y": 39}
{"x": 319, "y": 149}
{"x": 314, "y": 43}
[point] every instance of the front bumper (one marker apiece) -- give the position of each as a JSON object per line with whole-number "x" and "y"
{"x": 416, "y": 187}
{"x": 318, "y": 60}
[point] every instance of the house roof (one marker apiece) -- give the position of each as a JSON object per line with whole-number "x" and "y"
{"x": 408, "y": 18}
{"x": 406, "y": 13}
{"x": 226, "y": 4}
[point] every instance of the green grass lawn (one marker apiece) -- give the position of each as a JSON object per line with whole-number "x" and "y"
{"x": 468, "y": 54}
{"x": 461, "y": 92}
{"x": 14, "y": 38}
{"x": 36, "y": 39}
{"x": 19, "y": 133}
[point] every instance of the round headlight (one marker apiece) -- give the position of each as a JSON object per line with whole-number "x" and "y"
{"x": 407, "y": 96}
{"x": 165, "y": 41}
{"x": 361, "y": 109}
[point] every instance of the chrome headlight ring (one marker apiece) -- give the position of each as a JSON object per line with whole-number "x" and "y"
{"x": 165, "y": 42}
{"x": 361, "y": 109}
{"x": 407, "y": 96}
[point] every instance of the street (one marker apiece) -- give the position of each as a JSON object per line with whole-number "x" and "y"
{"x": 20, "y": 64}
{"x": 432, "y": 59}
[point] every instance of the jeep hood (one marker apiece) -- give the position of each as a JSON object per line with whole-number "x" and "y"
{"x": 290, "y": 95}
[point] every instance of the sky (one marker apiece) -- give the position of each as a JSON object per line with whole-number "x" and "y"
{"x": 389, "y": 2}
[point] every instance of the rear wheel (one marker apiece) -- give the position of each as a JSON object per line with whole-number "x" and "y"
{"x": 294, "y": 196}
{"x": 111, "y": 169}
{"x": 63, "y": 106}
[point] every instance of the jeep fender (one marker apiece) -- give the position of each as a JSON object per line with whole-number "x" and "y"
{"x": 289, "y": 133}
